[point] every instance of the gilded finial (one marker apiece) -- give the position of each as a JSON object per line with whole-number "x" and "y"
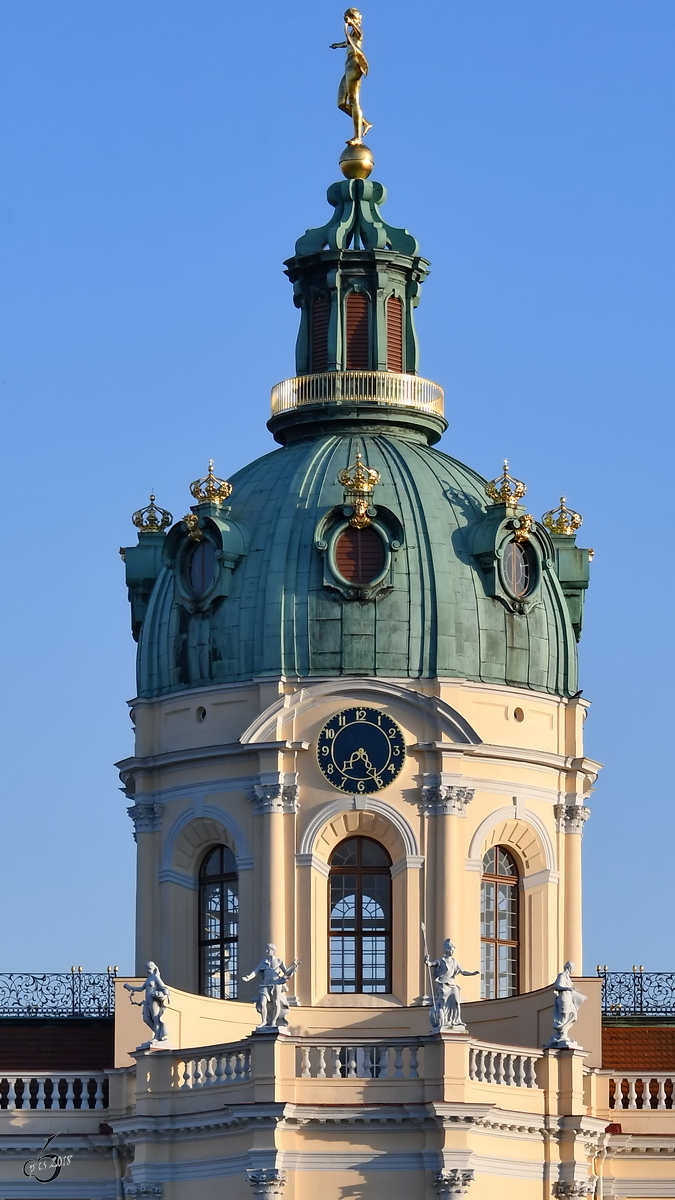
{"x": 505, "y": 489}
{"x": 358, "y": 480}
{"x": 210, "y": 489}
{"x": 562, "y": 519}
{"x": 152, "y": 518}
{"x": 356, "y": 162}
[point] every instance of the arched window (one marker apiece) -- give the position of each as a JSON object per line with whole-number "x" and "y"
{"x": 202, "y": 567}
{"x": 320, "y": 313}
{"x": 394, "y": 334}
{"x": 518, "y": 568}
{"x": 218, "y": 924}
{"x": 358, "y": 332}
{"x": 359, "y": 923}
{"x": 499, "y": 925}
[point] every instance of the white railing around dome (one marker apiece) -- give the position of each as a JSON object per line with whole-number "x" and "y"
{"x": 358, "y": 387}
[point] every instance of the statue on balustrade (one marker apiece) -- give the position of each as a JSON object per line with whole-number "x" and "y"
{"x": 566, "y": 1007}
{"x": 446, "y": 1012}
{"x": 272, "y": 1002}
{"x": 156, "y": 996}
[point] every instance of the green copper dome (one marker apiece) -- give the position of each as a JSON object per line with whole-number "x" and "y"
{"x": 356, "y": 548}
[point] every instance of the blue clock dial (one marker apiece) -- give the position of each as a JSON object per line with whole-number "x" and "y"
{"x": 360, "y": 750}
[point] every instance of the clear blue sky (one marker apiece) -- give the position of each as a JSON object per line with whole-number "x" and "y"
{"x": 157, "y": 162}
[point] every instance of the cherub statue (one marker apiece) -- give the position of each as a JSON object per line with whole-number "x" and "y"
{"x": 155, "y": 999}
{"x": 356, "y": 67}
{"x": 446, "y": 1012}
{"x": 272, "y": 1003}
{"x": 566, "y": 1007}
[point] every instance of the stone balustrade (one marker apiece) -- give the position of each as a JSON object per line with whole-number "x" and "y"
{"x": 639, "y": 1090}
{"x": 508, "y": 1068}
{"x": 49, "y": 1092}
{"x": 229, "y": 1065}
{"x": 394, "y": 1059}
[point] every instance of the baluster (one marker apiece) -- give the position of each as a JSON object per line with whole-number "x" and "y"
{"x": 499, "y": 1071}
{"x": 337, "y": 1065}
{"x": 472, "y": 1064}
{"x": 220, "y": 1069}
{"x": 508, "y": 1071}
{"x": 351, "y": 1063}
{"x": 199, "y": 1073}
{"x": 321, "y": 1062}
{"x": 210, "y": 1076}
{"x": 367, "y": 1063}
{"x": 530, "y": 1074}
{"x": 84, "y": 1094}
{"x": 69, "y": 1096}
{"x": 229, "y": 1066}
{"x": 98, "y": 1094}
{"x": 489, "y": 1066}
{"x": 661, "y": 1095}
{"x": 520, "y": 1071}
{"x": 414, "y": 1062}
{"x": 56, "y": 1093}
{"x": 240, "y": 1068}
{"x": 398, "y": 1063}
{"x": 305, "y": 1070}
{"x": 480, "y": 1066}
{"x": 40, "y": 1092}
{"x": 11, "y": 1093}
{"x": 632, "y": 1094}
{"x": 383, "y": 1063}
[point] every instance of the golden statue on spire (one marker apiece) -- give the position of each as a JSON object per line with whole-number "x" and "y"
{"x": 356, "y": 161}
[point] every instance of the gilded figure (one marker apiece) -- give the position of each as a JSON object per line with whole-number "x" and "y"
{"x": 356, "y": 67}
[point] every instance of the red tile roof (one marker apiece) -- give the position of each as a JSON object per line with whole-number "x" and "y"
{"x": 638, "y": 1048}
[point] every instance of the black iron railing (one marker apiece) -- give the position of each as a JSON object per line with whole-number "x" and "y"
{"x": 637, "y": 993}
{"x": 76, "y": 994}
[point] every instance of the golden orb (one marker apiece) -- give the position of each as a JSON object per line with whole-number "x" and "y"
{"x": 356, "y": 162}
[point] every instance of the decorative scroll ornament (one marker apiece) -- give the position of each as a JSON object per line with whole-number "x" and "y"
{"x": 505, "y": 489}
{"x": 191, "y": 523}
{"x": 562, "y": 520}
{"x": 210, "y": 489}
{"x": 274, "y": 797}
{"x": 522, "y": 527}
{"x": 358, "y": 482}
{"x": 77, "y": 994}
{"x": 574, "y": 1188}
{"x": 439, "y": 800}
{"x": 152, "y": 518}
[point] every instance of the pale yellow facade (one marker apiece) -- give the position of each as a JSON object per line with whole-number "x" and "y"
{"x": 359, "y": 1099}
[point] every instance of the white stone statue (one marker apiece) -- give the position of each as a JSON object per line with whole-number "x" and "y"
{"x": 155, "y": 999}
{"x": 566, "y": 1007}
{"x": 446, "y": 1011}
{"x": 272, "y": 1003}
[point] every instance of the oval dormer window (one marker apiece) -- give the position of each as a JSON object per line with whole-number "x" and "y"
{"x": 517, "y": 567}
{"x": 360, "y": 556}
{"x": 201, "y": 567}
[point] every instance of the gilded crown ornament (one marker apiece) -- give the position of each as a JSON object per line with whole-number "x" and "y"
{"x": 562, "y": 519}
{"x": 358, "y": 481}
{"x": 210, "y": 489}
{"x": 505, "y": 489}
{"x": 152, "y": 518}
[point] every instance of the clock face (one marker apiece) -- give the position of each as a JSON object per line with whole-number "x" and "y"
{"x": 360, "y": 750}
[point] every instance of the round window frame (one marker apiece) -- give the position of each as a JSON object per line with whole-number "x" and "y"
{"x": 185, "y": 556}
{"x": 535, "y": 568}
{"x": 382, "y": 533}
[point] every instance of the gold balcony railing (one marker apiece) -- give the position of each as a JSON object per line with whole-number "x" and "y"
{"x": 358, "y": 387}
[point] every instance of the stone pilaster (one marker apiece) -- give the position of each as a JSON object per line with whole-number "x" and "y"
{"x": 274, "y": 798}
{"x": 147, "y": 818}
{"x": 452, "y": 1183}
{"x": 267, "y": 1182}
{"x": 571, "y": 818}
{"x": 437, "y": 800}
